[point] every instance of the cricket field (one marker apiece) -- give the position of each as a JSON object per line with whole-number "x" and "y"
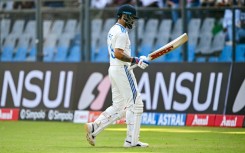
{"x": 67, "y": 137}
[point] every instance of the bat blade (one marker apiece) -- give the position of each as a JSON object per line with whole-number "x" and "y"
{"x": 168, "y": 47}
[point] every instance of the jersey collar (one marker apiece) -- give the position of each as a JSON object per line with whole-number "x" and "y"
{"x": 120, "y": 25}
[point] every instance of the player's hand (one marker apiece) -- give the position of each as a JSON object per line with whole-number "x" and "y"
{"x": 143, "y": 62}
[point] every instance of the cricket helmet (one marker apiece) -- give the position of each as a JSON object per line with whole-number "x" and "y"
{"x": 127, "y": 9}
{"x": 130, "y": 14}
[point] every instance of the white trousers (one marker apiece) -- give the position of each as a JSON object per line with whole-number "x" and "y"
{"x": 123, "y": 86}
{"x": 125, "y": 95}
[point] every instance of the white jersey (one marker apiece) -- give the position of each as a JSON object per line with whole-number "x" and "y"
{"x": 126, "y": 99}
{"x": 118, "y": 38}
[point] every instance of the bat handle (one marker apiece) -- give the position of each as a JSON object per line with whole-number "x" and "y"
{"x": 132, "y": 67}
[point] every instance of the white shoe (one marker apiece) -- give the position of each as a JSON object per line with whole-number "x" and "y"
{"x": 89, "y": 128}
{"x": 127, "y": 144}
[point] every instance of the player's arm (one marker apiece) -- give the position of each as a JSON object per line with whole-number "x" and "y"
{"x": 120, "y": 44}
{"x": 119, "y": 50}
{"x": 142, "y": 62}
{"x": 119, "y": 54}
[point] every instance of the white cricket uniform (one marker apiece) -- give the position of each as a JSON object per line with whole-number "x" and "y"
{"x": 123, "y": 82}
{"x": 126, "y": 100}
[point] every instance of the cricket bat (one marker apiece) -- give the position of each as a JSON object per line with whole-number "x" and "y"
{"x": 166, "y": 48}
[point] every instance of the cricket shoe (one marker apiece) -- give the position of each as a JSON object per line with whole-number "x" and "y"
{"x": 89, "y": 128}
{"x": 127, "y": 144}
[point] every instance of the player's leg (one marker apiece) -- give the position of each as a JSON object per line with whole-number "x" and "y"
{"x": 133, "y": 114}
{"x": 106, "y": 118}
{"x": 110, "y": 115}
{"x": 89, "y": 128}
{"x": 133, "y": 120}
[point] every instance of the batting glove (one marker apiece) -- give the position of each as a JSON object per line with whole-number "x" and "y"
{"x": 135, "y": 60}
{"x": 142, "y": 62}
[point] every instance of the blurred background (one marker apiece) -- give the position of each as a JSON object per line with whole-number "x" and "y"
{"x": 76, "y": 30}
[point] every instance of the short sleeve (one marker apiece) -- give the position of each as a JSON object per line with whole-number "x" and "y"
{"x": 121, "y": 41}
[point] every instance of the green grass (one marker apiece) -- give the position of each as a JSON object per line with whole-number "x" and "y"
{"x": 61, "y": 137}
